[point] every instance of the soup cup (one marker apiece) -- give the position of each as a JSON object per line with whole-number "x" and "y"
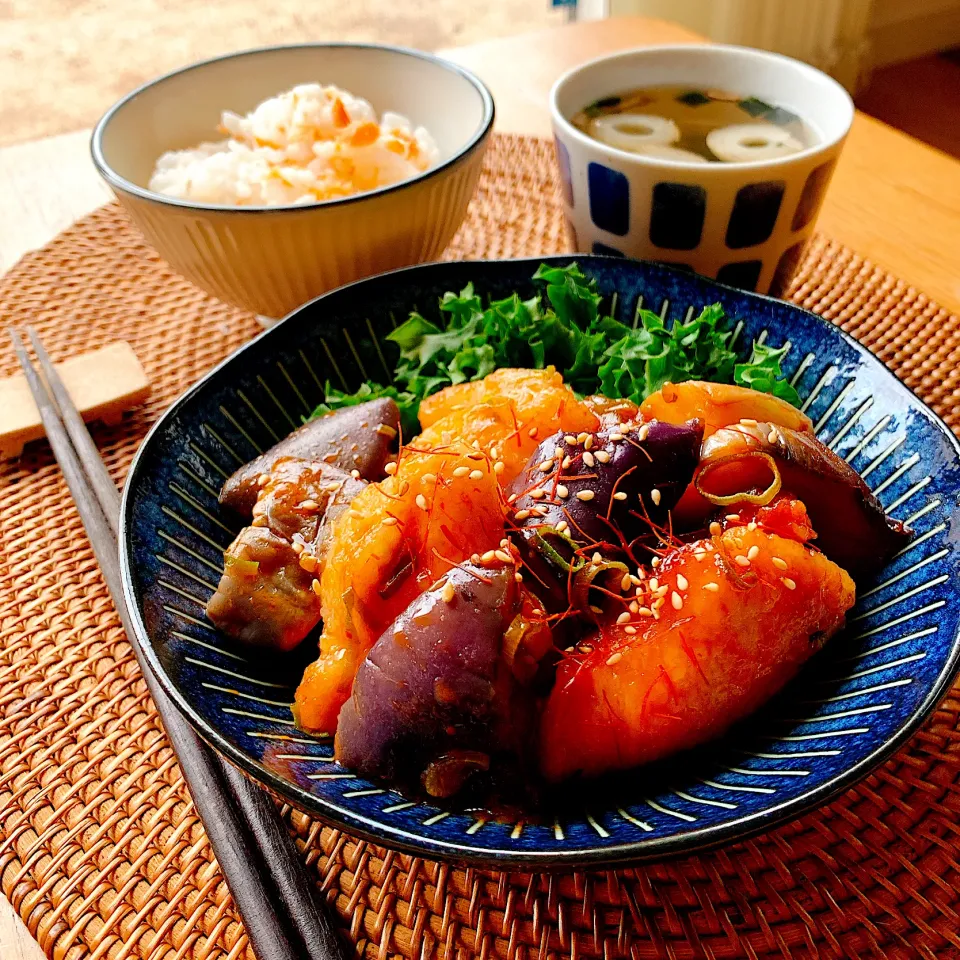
{"x": 744, "y": 223}
{"x": 271, "y": 260}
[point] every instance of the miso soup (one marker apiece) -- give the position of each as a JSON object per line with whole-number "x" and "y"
{"x": 694, "y": 125}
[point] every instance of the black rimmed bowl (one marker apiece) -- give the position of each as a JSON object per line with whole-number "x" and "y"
{"x": 272, "y": 259}
{"x": 857, "y": 700}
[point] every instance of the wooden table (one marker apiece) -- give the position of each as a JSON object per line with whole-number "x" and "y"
{"x": 892, "y": 199}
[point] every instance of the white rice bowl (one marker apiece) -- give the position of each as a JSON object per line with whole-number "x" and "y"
{"x": 310, "y": 144}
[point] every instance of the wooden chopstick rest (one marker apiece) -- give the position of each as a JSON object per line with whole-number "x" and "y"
{"x": 102, "y": 384}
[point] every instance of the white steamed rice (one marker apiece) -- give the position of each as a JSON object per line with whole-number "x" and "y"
{"x": 309, "y": 144}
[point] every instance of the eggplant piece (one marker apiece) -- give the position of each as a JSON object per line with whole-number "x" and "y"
{"x": 852, "y": 528}
{"x": 265, "y": 596}
{"x": 609, "y": 491}
{"x": 435, "y": 703}
{"x": 355, "y": 438}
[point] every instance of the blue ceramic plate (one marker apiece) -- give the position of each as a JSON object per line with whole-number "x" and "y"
{"x": 853, "y": 704}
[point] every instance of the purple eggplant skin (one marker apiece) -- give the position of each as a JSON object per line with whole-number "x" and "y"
{"x": 650, "y": 463}
{"x": 434, "y": 703}
{"x": 358, "y": 438}
{"x": 852, "y": 527}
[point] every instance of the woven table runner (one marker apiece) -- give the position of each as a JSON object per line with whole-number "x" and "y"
{"x": 101, "y": 851}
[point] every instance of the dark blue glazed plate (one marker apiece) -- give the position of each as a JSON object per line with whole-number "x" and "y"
{"x": 868, "y": 690}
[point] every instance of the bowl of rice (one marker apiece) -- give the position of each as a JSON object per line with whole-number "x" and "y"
{"x": 270, "y": 176}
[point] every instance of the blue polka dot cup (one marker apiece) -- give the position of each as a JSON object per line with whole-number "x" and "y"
{"x": 744, "y": 223}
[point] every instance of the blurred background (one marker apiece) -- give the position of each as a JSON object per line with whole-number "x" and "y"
{"x": 63, "y": 62}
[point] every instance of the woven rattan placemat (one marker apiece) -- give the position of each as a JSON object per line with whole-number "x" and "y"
{"x": 101, "y": 851}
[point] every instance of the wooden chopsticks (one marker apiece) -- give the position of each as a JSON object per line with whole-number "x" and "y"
{"x": 282, "y": 913}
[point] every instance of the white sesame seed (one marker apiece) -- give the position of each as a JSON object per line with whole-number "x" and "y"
{"x": 512, "y": 498}
{"x": 569, "y": 438}
{"x": 752, "y": 525}
{"x": 546, "y": 466}
{"x": 563, "y": 492}
{"x": 448, "y": 592}
{"x": 532, "y": 432}
{"x": 602, "y": 456}
{"x": 732, "y": 516}
{"x": 476, "y": 474}
{"x": 623, "y": 618}
{"x": 429, "y": 478}
{"x": 557, "y": 453}
{"x": 581, "y": 437}
{"x": 682, "y": 582}
{"x": 630, "y": 630}
{"x": 499, "y": 467}
{"x": 308, "y": 562}
{"x": 588, "y": 458}
{"x": 538, "y": 493}
{"x": 753, "y": 552}
{"x": 563, "y": 526}
{"x": 655, "y": 562}
{"x": 390, "y": 468}
{"x": 661, "y": 591}
{"x": 715, "y": 529}
{"x": 636, "y": 581}
{"x": 421, "y": 501}
{"x": 643, "y": 431}
{"x": 619, "y": 495}
{"x": 748, "y": 421}
{"x": 712, "y": 587}
{"x": 565, "y": 463}
{"x": 522, "y": 514}
{"x": 503, "y": 556}
{"x": 779, "y": 563}
{"x": 625, "y": 582}
{"x": 633, "y": 607}
{"x": 676, "y": 600}
{"x": 309, "y": 505}
{"x": 596, "y": 558}
{"x": 355, "y": 474}
{"x": 315, "y": 586}
{"x": 585, "y": 495}
{"x": 644, "y": 612}
{"x": 389, "y": 521}
{"x": 772, "y": 436}
{"x": 788, "y": 583}
{"x": 474, "y": 557}
{"x": 615, "y": 437}
{"x": 655, "y": 496}
{"x": 504, "y": 542}
{"x": 461, "y": 471}
{"x": 741, "y": 560}
{"x": 588, "y": 441}
{"x": 615, "y": 658}
{"x": 654, "y": 583}
{"x": 488, "y": 556}
{"x": 518, "y": 576}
